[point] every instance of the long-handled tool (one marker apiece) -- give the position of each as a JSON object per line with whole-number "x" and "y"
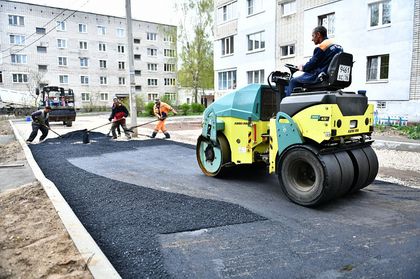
{"x": 131, "y": 128}
{"x": 86, "y": 132}
{"x": 51, "y": 130}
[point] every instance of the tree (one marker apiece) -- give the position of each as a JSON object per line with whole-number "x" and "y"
{"x": 36, "y": 81}
{"x": 196, "y": 45}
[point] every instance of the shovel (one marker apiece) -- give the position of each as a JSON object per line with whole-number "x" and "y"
{"x": 86, "y": 132}
{"x": 131, "y": 128}
{"x": 52, "y": 130}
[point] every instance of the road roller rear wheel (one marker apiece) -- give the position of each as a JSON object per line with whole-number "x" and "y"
{"x": 308, "y": 178}
{"x": 210, "y": 157}
{"x": 361, "y": 169}
{"x": 373, "y": 164}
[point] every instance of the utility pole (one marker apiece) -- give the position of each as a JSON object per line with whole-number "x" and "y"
{"x": 133, "y": 105}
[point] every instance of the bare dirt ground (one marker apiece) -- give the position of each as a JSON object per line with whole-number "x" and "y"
{"x": 33, "y": 240}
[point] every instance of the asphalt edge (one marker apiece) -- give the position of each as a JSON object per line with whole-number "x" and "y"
{"x": 98, "y": 264}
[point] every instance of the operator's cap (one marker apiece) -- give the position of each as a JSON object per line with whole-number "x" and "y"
{"x": 115, "y": 98}
{"x": 48, "y": 107}
{"x": 157, "y": 100}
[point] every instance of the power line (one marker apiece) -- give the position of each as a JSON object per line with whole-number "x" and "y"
{"x": 49, "y": 31}
{"x": 27, "y": 37}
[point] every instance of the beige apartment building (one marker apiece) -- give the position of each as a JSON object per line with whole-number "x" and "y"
{"x": 84, "y": 51}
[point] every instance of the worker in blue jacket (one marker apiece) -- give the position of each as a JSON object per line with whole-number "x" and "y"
{"x": 40, "y": 122}
{"x": 319, "y": 62}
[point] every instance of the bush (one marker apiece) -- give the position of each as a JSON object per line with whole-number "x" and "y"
{"x": 148, "y": 109}
{"x": 184, "y": 108}
{"x": 197, "y": 108}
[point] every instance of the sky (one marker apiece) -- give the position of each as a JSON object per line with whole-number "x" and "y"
{"x": 160, "y": 11}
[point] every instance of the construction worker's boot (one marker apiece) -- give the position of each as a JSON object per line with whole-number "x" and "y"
{"x": 153, "y": 135}
{"x": 167, "y": 135}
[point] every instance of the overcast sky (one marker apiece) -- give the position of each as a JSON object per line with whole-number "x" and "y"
{"x": 161, "y": 11}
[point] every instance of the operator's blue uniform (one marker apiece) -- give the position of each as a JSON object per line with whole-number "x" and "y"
{"x": 319, "y": 62}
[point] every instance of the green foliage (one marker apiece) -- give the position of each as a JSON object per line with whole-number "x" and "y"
{"x": 185, "y": 108}
{"x": 139, "y": 104}
{"x": 166, "y": 99}
{"x": 412, "y": 132}
{"x": 95, "y": 108}
{"x": 149, "y": 109}
{"x": 197, "y": 108}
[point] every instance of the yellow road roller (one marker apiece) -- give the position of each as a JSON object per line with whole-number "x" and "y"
{"x": 317, "y": 140}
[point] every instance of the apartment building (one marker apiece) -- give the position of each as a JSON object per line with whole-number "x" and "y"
{"x": 244, "y": 43}
{"x": 84, "y": 51}
{"x": 382, "y": 35}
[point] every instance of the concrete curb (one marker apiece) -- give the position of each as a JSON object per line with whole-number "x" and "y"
{"x": 95, "y": 259}
{"x": 396, "y": 145}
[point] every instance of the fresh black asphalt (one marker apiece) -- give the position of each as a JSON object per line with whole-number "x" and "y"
{"x": 125, "y": 219}
{"x": 186, "y": 231}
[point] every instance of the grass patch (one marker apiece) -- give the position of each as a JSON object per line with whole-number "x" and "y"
{"x": 411, "y": 131}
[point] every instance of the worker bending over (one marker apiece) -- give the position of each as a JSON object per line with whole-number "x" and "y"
{"x": 118, "y": 116}
{"x": 40, "y": 122}
{"x": 161, "y": 110}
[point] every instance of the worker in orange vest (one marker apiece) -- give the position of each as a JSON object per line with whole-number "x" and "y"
{"x": 161, "y": 110}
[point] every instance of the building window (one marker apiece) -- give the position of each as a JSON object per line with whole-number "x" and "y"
{"x": 84, "y": 79}
{"x": 102, "y": 47}
{"x": 169, "y": 68}
{"x": 137, "y": 41}
{"x": 42, "y": 67}
{"x": 120, "y": 32}
{"x": 381, "y": 105}
{"x": 227, "y": 12}
{"x": 83, "y": 45}
{"x": 121, "y": 80}
{"x": 168, "y": 38}
{"x": 288, "y": 50}
{"x": 152, "y": 67}
{"x": 169, "y": 81}
{"x": 84, "y": 61}
{"x": 19, "y": 58}
{"x": 227, "y": 45}
{"x": 227, "y": 80}
{"x": 256, "y": 41}
{"x": 20, "y": 78}
{"x": 380, "y": 13}
{"x": 328, "y": 21}
{"x": 121, "y": 65}
{"x": 170, "y": 96}
{"x": 377, "y": 67}
{"x": 120, "y": 48}
{"x": 152, "y": 96}
{"x": 255, "y": 76}
{"x": 169, "y": 52}
{"x": 137, "y": 87}
{"x": 152, "y": 81}
{"x": 102, "y": 64}
{"x": 101, "y": 30}
{"x": 254, "y": 6}
{"x": 17, "y": 39}
{"x": 16, "y": 20}
{"x": 85, "y": 97}
{"x": 137, "y": 57}
{"x": 288, "y": 8}
{"x": 104, "y": 96}
{"x": 61, "y": 26}
{"x": 62, "y": 61}
{"x": 137, "y": 72}
{"x": 1, "y": 77}
{"x": 41, "y": 49}
{"x": 63, "y": 79}
{"x": 151, "y": 36}
{"x": 40, "y": 30}
{"x": 82, "y": 28}
{"x": 103, "y": 80}
{"x": 62, "y": 43}
{"x": 152, "y": 51}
